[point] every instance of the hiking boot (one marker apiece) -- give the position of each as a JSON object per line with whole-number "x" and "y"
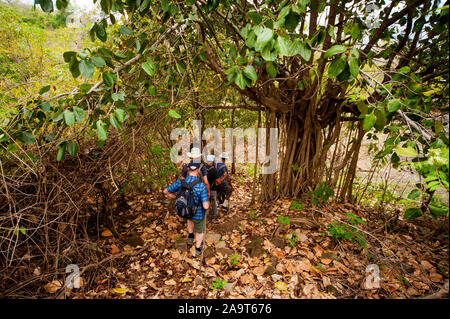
{"x": 190, "y": 241}
{"x": 197, "y": 253}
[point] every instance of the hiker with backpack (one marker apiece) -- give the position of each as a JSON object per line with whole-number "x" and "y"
{"x": 211, "y": 168}
{"x": 195, "y": 156}
{"x": 191, "y": 201}
{"x": 224, "y": 186}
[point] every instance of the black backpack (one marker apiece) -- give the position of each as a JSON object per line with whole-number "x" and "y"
{"x": 184, "y": 202}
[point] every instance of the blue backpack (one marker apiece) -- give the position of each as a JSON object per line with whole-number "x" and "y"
{"x": 184, "y": 202}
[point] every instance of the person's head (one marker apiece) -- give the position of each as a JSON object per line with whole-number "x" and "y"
{"x": 210, "y": 159}
{"x": 193, "y": 168}
{"x": 224, "y": 156}
{"x": 195, "y": 154}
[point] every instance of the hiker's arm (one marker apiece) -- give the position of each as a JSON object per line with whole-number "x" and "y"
{"x": 205, "y": 205}
{"x": 169, "y": 194}
{"x": 208, "y": 188}
{"x": 229, "y": 181}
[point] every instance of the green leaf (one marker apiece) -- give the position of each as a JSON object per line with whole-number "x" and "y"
{"x": 115, "y": 123}
{"x": 72, "y": 147}
{"x": 412, "y": 213}
{"x": 335, "y": 49}
{"x": 44, "y": 89}
{"x": 286, "y": 47}
{"x": 291, "y": 21}
{"x": 149, "y": 67}
{"x": 69, "y": 117}
{"x": 263, "y": 37}
{"x": 174, "y": 114}
{"x": 101, "y": 130}
{"x": 108, "y": 79}
{"x": 336, "y": 67}
{"x": 61, "y": 151}
{"x": 305, "y": 50}
{"x": 68, "y": 55}
{"x": 23, "y": 230}
{"x": 86, "y": 68}
{"x": 394, "y": 105}
{"x": 45, "y": 106}
{"x": 46, "y": 5}
{"x": 408, "y": 151}
{"x": 240, "y": 80}
{"x": 125, "y": 31}
{"x": 100, "y": 32}
{"x": 438, "y": 211}
{"x": 250, "y": 72}
{"x": 98, "y": 61}
{"x": 369, "y": 121}
{"x": 27, "y": 137}
{"x": 414, "y": 194}
{"x": 268, "y": 54}
{"x": 120, "y": 114}
{"x": 271, "y": 69}
{"x": 79, "y": 114}
{"x": 362, "y": 107}
{"x": 255, "y": 17}
{"x": 354, "y": 67}
{"x": 118, "y": 97}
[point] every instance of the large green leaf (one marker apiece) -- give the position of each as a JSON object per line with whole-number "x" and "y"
{"x": 79, "y": 114}
{"x": 149, "y": 67}
{"x": 287, "y": 47}
{"x": 408, "y": 151}
{"x": 250, "y": 72}
{"x": 72, "y": 148}
{"x": 415, "y": 193}
{"x": 108, "y": 79}
{"x": 69, "y": 117}
{"x": 240, "y": 81}
{"x": 86, "y": 68}
{"x": 412, "y": 213}
{"x": 46, "y": 5}
{"x": 394, "y": 105}
{"x": 336, "y": 67}
{"x": 263, "y": 37}
{"x": 114, "y": 122}
{"x": 354, "y": 67}
{"x": 120, "y": 114}
{"x": 98, "y": 61}
{"x": 44, "y": 89}
{"x": 335, "y": 49}
{"x": 100, "y": 32}
{"x": 174, "y": 114}
{"x": 291, "y": 21}
{"x": 268, "y": 54}
{"x": 369, "y": 121}
{"x": 304, "y": 49}
{"x": 27, "y": 137}
{"x": 61, "y": 151}
{"x": 101, "y": 130}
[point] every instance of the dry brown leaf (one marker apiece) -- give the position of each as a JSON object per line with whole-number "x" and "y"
{"x": 53, "y": 286}
{"x": 170, "y": 282}
{"x": 259, "y": 271}
{"x": 435, "y": 277}
{"x": 114, "y": 249}
{"x": 107, "y": 233}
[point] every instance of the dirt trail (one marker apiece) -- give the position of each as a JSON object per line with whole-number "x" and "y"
{"x": 250, "y": 251}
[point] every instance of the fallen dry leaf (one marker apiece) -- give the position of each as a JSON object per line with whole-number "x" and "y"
{"x": 107, "y": 233}
{"x": 53, "y": 286}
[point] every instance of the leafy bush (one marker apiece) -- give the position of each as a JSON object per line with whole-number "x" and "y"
{"x": 321, "y": 194}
